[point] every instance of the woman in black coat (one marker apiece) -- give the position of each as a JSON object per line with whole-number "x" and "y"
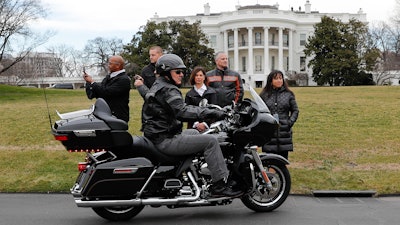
{"x": 198, "y": 92}
{"x": 282, "y": 104}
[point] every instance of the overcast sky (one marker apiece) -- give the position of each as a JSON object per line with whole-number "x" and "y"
{"x": 77, "y": 21}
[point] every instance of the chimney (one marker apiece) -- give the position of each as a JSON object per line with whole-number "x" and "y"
{"x": 207, "y": 9}
{"x": 307, "y": 6}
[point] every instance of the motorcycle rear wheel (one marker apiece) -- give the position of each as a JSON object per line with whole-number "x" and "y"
{"x": 262, "y": 200}
{"x": 121, "y": 213}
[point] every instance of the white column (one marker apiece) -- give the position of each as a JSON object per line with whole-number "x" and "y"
{"x": 291, "y": 60}
{"x": 266, "y": 51}
{"x": 280, "y": 50}
{"x": 235, "y": 49}
{"x": 250, "y": 68}
{"x": 226, "y": 41}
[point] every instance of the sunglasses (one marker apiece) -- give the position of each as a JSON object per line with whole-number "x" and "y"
{"x": 179, "y": 71}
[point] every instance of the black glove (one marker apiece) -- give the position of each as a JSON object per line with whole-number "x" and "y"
{"x": 219, "y": 114}
{"x": 290, "y": 123}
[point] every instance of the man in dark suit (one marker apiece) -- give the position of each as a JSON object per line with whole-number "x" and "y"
{"x": 114, "y": 88}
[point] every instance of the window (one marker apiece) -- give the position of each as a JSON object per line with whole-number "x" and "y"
{"x": 244, "y": 64}
{"x": 272, "y": 39}
{"x": 258, "y": 63}
{"x": 259, "y": 84}
{"x": 286, "y": 63}
{"x": 302, "y": 63}
{"x": 231, "y": 62}
{"x": 285, "y": 40}
{"x": 213, "y": 41}
{"x": 303, "y": 38}
{"x": 243, "y": 40}
{"x": 230, "y": 41}
{"x": 272, "y": 62}
{"x": 257, "y": 40}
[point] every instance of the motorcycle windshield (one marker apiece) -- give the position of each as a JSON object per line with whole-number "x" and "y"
{"x": 262, "y": 107}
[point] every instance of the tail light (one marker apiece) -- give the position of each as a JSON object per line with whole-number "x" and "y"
{"x": 82, "y": 166}
{"x": 61, "y": 137}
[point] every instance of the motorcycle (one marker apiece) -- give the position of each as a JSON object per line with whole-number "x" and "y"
{"x": 122, "y": 173}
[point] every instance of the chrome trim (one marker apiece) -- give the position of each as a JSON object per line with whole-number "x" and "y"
{"x": 148, "y": 201}
{"x": 85, "y": 133}
{"x": 145, "y": 184}
{"x": 125, "y": 170}
{"x": 253, "y": 177}
{"x": 172, "y": 186}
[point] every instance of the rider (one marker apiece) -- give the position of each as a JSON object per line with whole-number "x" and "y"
{"x": 162, "y": 115}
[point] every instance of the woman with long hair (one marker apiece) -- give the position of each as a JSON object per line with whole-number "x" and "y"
{"x": 281, "y": 102}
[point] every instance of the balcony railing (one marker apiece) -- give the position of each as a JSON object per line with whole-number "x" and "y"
{"x": 257, "y": 44}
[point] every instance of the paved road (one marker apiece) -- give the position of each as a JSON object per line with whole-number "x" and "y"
{"x": 60, "y": 209}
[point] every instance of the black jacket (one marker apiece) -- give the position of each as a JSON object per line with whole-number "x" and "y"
{"x": 193, "y": 98}
{"x": 148, "y": 75}
{"x": 115, "y": 91}
{"x": 164, "y": 111}
{"x": 283, "y": 103}
{"x": 228, "y": 84}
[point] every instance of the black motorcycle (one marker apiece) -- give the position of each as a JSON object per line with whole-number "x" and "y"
{"x": 123, "y": 173}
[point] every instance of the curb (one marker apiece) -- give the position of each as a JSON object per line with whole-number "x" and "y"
{"x": 343, "y": 193}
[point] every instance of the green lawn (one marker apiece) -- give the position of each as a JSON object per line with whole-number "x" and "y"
{"x": 346, "y": 138}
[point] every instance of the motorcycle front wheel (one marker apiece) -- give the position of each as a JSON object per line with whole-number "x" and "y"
{"x": 264, "y": 200}
{"x": 118, "y": 213}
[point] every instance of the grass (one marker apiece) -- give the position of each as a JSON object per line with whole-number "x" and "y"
{"x": 346, "y": 138}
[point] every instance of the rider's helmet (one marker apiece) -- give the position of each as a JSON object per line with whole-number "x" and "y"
{"x": 167, "y": 63}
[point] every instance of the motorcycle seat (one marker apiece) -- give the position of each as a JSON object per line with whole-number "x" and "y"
{"x": 103, "y": 112}
{"x": 149, "y": 150}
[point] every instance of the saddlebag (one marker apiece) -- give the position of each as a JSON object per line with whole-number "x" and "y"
{"x": 121, "y": 178}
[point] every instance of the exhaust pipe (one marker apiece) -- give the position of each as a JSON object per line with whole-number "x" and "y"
{"x": 136, "y": 202}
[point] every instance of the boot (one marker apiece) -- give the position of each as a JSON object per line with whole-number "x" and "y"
{"x": 222, "y": 189}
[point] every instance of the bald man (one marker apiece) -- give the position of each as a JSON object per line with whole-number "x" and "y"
{"x": 114, "y": 88}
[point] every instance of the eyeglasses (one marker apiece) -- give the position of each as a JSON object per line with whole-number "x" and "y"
{"x": 179, "y": 71}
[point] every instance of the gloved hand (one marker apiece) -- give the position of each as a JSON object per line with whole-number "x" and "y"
{"x": 290, "y": 123}
{"x": 219, "y": 114}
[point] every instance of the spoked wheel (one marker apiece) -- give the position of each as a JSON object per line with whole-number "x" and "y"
{"x": 264, "y": 200}
{"x": 118, "y": 213}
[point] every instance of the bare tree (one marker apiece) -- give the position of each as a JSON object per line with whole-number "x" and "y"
{"x": 300, "y": 79}
{"x": 16, "y": 37}
{"x": 98, "y": 50}
{"x": 386, "y": 37}
{"x": 382, "y": 39}
{"x": 395, "y": 20}
{"x": 69, "y": 61}
{"x": 396, "y": 16}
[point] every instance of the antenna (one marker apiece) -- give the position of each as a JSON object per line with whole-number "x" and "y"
{"x": 47, "y": 105}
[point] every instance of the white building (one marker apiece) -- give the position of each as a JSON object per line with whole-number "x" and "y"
{"x": 259, "y": 38}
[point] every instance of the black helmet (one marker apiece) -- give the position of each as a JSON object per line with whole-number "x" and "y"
{"x": 168, "y": 62}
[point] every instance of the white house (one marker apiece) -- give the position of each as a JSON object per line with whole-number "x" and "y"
{"x": 259, "y": 38}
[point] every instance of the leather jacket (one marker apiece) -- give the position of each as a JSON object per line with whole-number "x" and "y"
{"x": 164, "y": 111}
{"x": 228, "y": 84}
